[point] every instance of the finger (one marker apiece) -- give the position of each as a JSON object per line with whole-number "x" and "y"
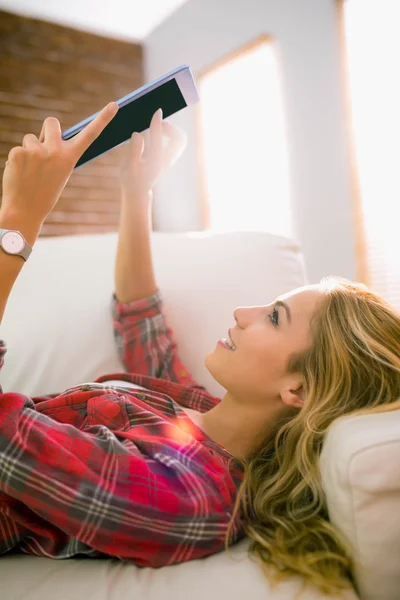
{"x": 83, "y": 140}
{"x": 15, "y": 155}
{"x": 41, "y": 135}
{"x": 172, "y": 131}
{"x": 30, "y": 141}
{"x": 176, "y": 136}
{"x": 156, "y": 137}
{"x": 146, "y": 140}
{"x": 177, "y": 143}
{"x": 136, "y": 146}
{"x": 51, "y": 132}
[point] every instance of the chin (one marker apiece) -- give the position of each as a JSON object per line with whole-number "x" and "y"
{"x": 215, "y": 367}
{"x": 208, "y": 359}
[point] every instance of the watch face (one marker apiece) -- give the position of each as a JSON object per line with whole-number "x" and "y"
{"x": 12, "y": 242}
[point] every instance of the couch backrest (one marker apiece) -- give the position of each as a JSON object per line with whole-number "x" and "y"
{"x": 58, "y": 325}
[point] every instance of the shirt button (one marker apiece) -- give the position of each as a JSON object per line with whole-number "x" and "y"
{"x": 85, "y": 388}
{"x": 141, "y": 397}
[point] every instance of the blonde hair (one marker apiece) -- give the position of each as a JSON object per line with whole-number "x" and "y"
{"x": 352, "y": 367}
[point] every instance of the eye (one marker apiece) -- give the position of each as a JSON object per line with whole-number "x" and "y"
{"x": 274, "y": 318}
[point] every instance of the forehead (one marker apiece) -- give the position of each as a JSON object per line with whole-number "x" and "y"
{"x": 303, "y": 300}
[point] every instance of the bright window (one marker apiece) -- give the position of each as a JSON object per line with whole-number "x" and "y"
{"x": 244, "y": 153}
{"x": 373, "y": 50}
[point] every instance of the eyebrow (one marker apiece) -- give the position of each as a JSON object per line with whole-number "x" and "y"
{"x": 285, "y": 306}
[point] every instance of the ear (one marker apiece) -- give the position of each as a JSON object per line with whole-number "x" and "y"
{"x": 293, "y": 394}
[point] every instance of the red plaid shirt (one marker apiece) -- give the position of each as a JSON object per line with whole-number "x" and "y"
{"x": 111, "y": 471}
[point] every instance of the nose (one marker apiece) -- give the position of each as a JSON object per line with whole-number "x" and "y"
{"x": 244, "y": 315}
{"x": 237, "y": 313}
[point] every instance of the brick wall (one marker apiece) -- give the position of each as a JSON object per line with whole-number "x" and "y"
{"x": 50, "y": 70}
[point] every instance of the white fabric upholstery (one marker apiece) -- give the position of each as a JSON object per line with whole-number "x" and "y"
{"x": 58, "y": 321}
{"x": 217, "y": 577}
{"x": 360, "y": 468}
{"x": 59, "y": 332}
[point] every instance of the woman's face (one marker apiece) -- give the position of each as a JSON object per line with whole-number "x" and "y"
{"x": 265, "y": 337}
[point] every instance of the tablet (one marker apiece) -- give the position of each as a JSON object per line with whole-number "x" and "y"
{"x": 172, "y": 92}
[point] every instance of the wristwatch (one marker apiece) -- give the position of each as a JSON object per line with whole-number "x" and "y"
{"x": 13, "y": 242}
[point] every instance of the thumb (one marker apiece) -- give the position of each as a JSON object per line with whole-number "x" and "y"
{"x": 177, "y": 143}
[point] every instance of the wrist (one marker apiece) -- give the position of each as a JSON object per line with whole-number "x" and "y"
{"x": 136, "y": 197}
{"x": 136, "y": 209}
{"x": 12, "y": 220}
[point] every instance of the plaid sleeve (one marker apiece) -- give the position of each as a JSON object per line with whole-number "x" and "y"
{"x": 161, "y": 509}
{"x": 144, "y": 341}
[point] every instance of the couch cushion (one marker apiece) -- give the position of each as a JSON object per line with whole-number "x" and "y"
{"x": 58, "y": 326}
{"x": 360, "y": 469}
{"x": 217, "y": 577}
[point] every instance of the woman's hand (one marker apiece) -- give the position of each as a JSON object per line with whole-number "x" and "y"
{"x": 37, "y": 172}
{"x": 146, "y": 159}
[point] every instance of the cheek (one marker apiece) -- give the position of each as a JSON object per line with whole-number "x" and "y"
{"x": 263, "y": 358}
{"x": 268, "y": 347}
{"x": 254, "y": 369}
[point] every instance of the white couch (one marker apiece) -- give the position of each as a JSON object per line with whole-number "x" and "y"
{"x": 59, "y": 332}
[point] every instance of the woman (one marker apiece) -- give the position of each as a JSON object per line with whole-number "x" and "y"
{"x": 175, "y": 474}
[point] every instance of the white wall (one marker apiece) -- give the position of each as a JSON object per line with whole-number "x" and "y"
{"x": 307, "y": 37}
